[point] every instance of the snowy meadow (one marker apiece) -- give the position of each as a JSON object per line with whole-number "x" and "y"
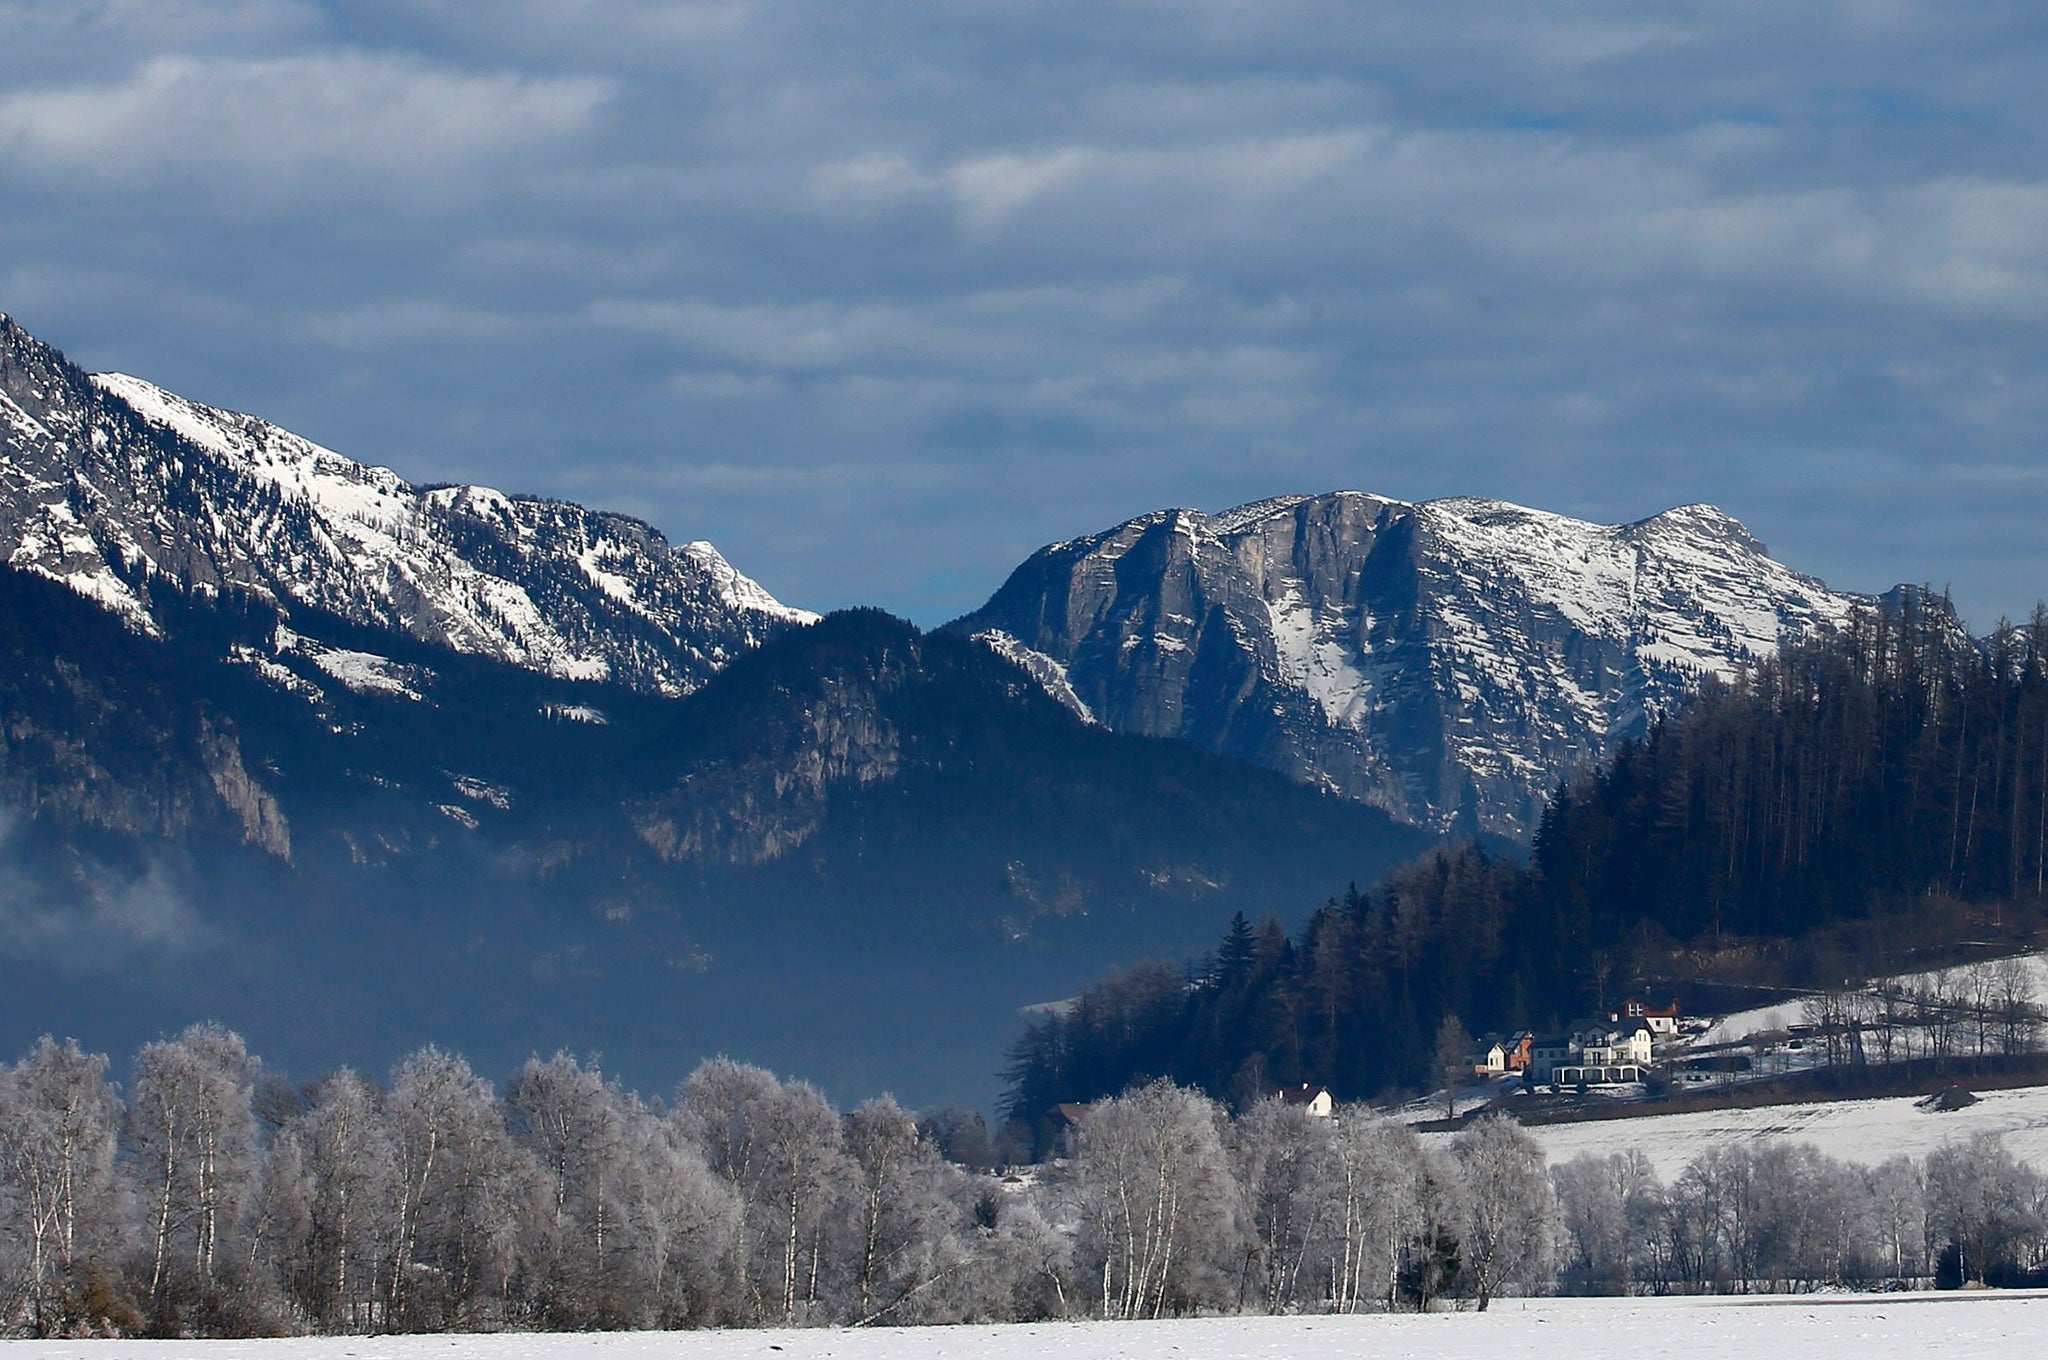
{"x": 1972, "y": 1326}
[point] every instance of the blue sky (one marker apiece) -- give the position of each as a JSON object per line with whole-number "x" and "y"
{"x": 879, "y": 297}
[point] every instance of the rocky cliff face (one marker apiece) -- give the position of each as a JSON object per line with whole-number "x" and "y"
{"x": 116, "y": 487}
{"x": 1448, "y": 661}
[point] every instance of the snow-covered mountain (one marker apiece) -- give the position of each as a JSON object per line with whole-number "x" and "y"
{"x": 1448, "y": 661}
{"x": 118, "y": 488}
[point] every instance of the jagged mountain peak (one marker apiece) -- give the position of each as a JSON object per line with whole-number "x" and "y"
{"x": 112, "y": 484}
{"x": 1448, "y": 660}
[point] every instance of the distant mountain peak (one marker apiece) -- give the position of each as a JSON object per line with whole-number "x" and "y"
{"x": 1448, "y": 660}
{"x": 112, "y": 482}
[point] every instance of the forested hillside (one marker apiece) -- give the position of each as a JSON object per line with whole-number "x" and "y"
{"x": 1874, "y": 789}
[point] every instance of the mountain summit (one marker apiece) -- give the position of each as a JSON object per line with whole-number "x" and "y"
{"x": 116, "y": 488}
{"x": 1448, "y": 661}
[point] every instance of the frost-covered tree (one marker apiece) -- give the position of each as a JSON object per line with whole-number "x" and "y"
{"x": 587, "y": 1135}
{"x": 58, "y": 1117}
{"x": 461, "y": 1189}
{"x": 1023, "y": 1269}
{"x": 1983, "y": 1205}
{"x": 1286, "y": 1161}
{"x": 905, "y": 1219}
{"x": 691, "y": 1219}
{"x": 1376, "y": 1208}
{"x": 1505, "y": 1213}
{"x": 191, "y": 1140}
{"x": 780, "y": 1146}
{"x": 1608, "y": 1210}
{"x": 1158, "y": 1204}
{"x": 1897, "y": 1196}
{"x": 333, "y": 1176}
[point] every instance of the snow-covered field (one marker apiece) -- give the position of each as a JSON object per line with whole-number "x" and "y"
{"x": 1865, "y": 1131}
{"x": 1784, "y": 1014}
{"x": 1811, "y": 1327}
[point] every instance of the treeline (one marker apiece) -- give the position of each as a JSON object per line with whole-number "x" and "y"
{"x": 1776, "y": 1216}
{"x": 214, "y": 1201}
{"x": 1893, "y": 769}
{"x": 217, "y": 1200}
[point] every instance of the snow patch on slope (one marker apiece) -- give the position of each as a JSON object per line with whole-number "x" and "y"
{"x": 1050, "y": 674}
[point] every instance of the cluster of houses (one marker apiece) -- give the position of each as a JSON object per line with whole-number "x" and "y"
{"x": 1617, "y": 1050}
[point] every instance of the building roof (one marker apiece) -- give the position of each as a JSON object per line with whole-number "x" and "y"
{"x": 1303, "y": 1094}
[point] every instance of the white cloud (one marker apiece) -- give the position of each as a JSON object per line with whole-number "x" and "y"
{"x": 48, "y": 35}
{"x": 632, "y": 32}
{"x": 812, "y": 336}
{"x": 270, "y": 126}
{"x": 407, "y": 321}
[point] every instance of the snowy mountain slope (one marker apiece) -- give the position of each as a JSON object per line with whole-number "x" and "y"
{"x": 116, "y": 487}
{"x": 1450, "y": 657}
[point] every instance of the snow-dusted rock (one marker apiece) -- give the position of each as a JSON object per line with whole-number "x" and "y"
{"x": 116, "y": 487}
{"x": 1450, "y": 657}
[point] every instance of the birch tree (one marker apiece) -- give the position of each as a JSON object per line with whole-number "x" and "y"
{"x": 581, "y": 1130}
{"x": 342, "y": 1189}
{"x": 191, "y": 1136}
{"x": 1286, "y": 1162}
{"x": 58, "y": 1117}
{"x": 1159, "y": 1206}
{"x": 1505, "y": 1212}
{"x": 1376, "y": 1207}
{"x": 459, "y": 1189}
{"x": 904, "y": 1219}
{"x": 780, "y": 1146}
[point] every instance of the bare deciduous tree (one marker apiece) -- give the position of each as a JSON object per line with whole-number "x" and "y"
{"x": 192, "y": 1137}
{"x": 1504, "y": 1210}
{"x": 1159, "y": 1207}
{"x": 58, "y": 1118}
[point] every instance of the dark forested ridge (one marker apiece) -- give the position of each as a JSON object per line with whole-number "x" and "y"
{"x": 853, "y": 853}
{"x": 1854, "y": 798}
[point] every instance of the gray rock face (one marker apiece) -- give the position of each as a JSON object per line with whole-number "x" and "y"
{"x": 116, "y": 487}
{"x": 1447, "y": 661}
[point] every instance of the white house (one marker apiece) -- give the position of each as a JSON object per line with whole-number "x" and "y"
{"x": 1490, "y": 1060}
{"x": 1315, "y": 1099}
{"x": 1592, "y": 1055}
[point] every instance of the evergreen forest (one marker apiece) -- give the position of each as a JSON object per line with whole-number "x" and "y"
{"x": 1846, "y": 808}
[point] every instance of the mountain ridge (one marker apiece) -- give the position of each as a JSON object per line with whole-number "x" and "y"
{"x": 1448, "y": 660}
{"x": 112, "y": 483}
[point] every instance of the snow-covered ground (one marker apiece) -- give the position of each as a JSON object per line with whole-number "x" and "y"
{"x": 1976, "y": 1326}
{"x": 1784, "y": 1014}
{"x": 1867, "y": 1131}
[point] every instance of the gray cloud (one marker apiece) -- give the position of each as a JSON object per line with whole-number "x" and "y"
{"x": 880, "y": 297}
